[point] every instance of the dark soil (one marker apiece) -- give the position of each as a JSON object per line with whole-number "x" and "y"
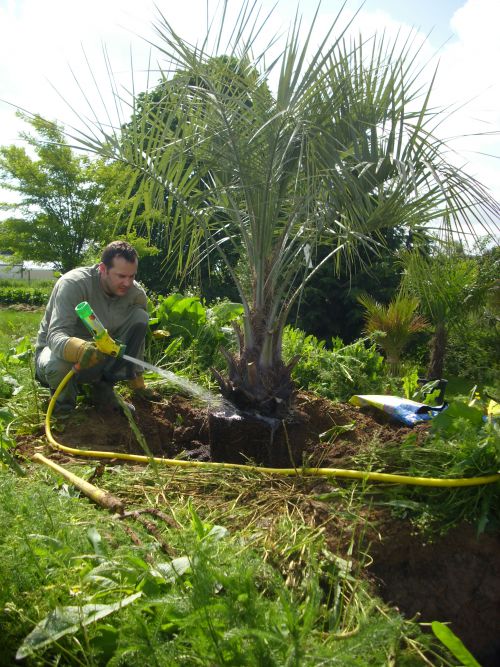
{"x": 455, "y": 578}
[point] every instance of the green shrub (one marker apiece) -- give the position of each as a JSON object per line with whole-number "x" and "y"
{"x": 461, "y": 444}
{"x": 335, "y": 373}
{"x": 33, "y": 296}
{"x": 41, "y": 284}
{"x": 473, "y": 351}
{"x": 182, "y": 323}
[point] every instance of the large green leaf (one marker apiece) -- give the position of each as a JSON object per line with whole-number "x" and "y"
{"x": 446, "y": 421}
{"x": 181, "y": 315}
{"x": 68, "y": 620}
{"x": 454, "y": 644}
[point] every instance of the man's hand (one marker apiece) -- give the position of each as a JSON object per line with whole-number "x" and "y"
{"x": 91, "y": 356}
{"x": 83, "y": 353}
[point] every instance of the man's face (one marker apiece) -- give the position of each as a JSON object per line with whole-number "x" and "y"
{"x": 117, "y": 280}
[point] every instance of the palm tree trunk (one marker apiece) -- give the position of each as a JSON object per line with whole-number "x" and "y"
{"x": 393, "y": 361}
{"x": 438, "y": 350}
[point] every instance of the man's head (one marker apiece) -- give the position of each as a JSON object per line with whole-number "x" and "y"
{"x": 118, "y": 268}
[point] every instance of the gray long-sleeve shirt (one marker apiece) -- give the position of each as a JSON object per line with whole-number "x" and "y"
{"x": 61, "y": 322}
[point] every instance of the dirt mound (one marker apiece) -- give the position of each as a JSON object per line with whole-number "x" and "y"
{"x": 178, "y": 427}
{"x": 455, "y": 578}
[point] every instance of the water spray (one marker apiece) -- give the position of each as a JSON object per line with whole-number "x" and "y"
{"x": 107, "y": 345}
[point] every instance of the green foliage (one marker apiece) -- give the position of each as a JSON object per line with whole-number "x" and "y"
{"x": 420, "y": 390}
{"x": 201, "y": 329}
{"x": 458, "y": 416}
{"x": 6, "y": 442}
{"x": 410, "y": 382}
{"x": 331, "y": 159}
{"x": 61, "y": 209}
{"x": 33, "y": 296}
{"x": 16, "y": 323}
{"x": 329, "y": 307}
{"x": 18, "y": 389}
{"x": 473, "y": 350}
{"x": 461, "y": 444}
{"x": 76, "y": 591}
{"x": 447, "y": 284}
{"x": 41, "y": 284}
{"x": 223, "y": 595}
{"x": 454, "y": 644}
{"x": 451, "y": 291}
{"x": 335, "y": 373}
{"x": 392, "y": 325}
{"x": 181, "y": 315}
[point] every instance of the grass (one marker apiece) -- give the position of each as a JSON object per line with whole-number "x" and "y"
{"x": 18, "y": 388}
{"x": 268, "y": 591}
{"x": 17, "y": 323}
{"x": 205, "y": 567}
{"x": 11, "y": 282}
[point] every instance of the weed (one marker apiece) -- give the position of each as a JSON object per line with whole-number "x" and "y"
{"x": 335, "y": 373}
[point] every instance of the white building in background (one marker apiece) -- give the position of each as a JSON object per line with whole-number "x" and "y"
{"x": 26, "y": 271}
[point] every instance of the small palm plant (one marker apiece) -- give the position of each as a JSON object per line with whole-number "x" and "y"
{"x": 392, "y": 325}
{"x": 270, "y": 153}
{"x": 447, "y": 286}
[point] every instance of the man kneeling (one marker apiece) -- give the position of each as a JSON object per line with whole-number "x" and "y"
{"x": 120, "y": 303}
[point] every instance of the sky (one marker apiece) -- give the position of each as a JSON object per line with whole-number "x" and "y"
{"x": 45, "y": 47}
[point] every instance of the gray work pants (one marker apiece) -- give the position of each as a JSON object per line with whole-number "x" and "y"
{"x": 50, "y": 369}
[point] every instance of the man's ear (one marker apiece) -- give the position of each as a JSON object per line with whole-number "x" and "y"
{"x": 102, "y": 267}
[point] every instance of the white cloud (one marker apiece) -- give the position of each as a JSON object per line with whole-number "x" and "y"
{"x": 39, "y": 40}
{"x": 469, "y": 75}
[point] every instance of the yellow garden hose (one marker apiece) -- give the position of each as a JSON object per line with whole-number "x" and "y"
{"x": 314, "y": 472}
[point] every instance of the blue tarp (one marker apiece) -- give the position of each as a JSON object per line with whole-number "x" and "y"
{"x": 402, "y": 409}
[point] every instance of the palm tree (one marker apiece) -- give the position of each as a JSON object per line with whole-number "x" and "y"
{"x": 448, "y": 287}
{"x": 279, "y": 154}
{"x": 397, "y": 322}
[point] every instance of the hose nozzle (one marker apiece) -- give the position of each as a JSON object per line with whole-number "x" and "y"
{"x": 101, "y": 337}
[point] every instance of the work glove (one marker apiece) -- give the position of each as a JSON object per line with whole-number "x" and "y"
{"x": 83, "y": 353}
{"x": 139, "y": 389}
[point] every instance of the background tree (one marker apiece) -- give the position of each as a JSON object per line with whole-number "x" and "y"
{"x": 162, "y": 107}
{"x": 336, "y": 155}
{"x": 448, "y": 287}
{"x": 473, "y": 347}
{"x": 329, "y": 306}
{"x": 62, "y": 213}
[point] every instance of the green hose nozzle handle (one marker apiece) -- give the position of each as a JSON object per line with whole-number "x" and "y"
{"x": 100, "y": 335}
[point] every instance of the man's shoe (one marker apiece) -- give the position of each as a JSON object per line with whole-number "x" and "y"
{"x": 105, "y": 400}
{"x": 140, "y": 390}
{"x": 147, "y": 394}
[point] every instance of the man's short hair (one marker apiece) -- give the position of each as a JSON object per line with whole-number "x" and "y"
{"x": 118, "y": 249}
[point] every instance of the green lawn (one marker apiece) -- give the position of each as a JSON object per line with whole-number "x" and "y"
{"x": 21, "y": 322}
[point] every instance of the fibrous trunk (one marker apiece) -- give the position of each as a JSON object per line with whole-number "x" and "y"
{"x": 257, "y": 378}
{"x": 438, "y": 350}
{"x": 269, "y": 390}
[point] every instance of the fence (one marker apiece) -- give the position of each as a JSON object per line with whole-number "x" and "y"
{"x": 20, "y": 272}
